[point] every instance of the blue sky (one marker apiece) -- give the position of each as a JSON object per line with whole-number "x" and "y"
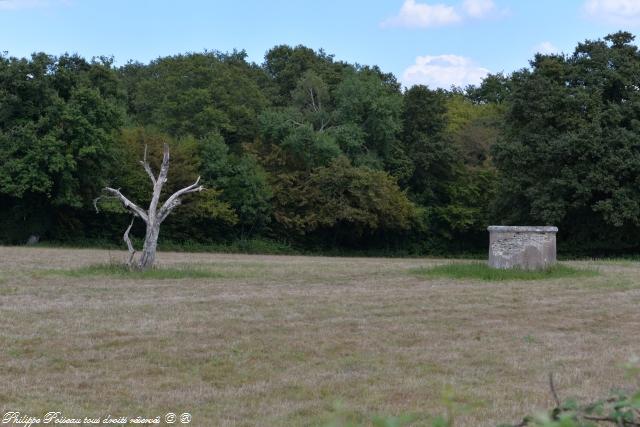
{"x": 436, "y": 42}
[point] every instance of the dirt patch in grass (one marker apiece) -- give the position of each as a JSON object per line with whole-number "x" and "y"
{"x": 481, "y": 271}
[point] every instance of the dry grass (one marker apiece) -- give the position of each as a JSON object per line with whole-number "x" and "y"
{"x": 277, "y": 340}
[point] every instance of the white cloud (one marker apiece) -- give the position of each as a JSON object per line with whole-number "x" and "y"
{"x": 443, "y": 71}
{"x": 617, "y": 12}
{"x": 546, "y": 48}
{"x": 478, "y": 8}
{"x": 423, "y": 15}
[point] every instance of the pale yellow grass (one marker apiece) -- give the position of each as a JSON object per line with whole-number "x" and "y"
{"x": 278, "y": 340}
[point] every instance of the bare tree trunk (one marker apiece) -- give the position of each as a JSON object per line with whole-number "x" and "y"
{"x": 153, "y": 216}
{"x": 150, "y": 245}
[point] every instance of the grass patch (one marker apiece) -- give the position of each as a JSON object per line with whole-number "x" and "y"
{"x": 481, "y": 271}
{"x": 244, "y": 339}
{"x": 122, "y": 271}
{"x": 243, "y": 246}
{"x": 4, "y": 290}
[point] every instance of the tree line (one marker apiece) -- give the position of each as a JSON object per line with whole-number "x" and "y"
{"x": 321, "y": 154}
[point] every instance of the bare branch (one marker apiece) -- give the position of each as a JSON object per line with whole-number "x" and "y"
{"x": 295, "y": 122}
{"x": 162, "y": 178}
{"x": 147, "y": 167}
{"x": 127, "y": 240}
{"x": 167, "y": 208}
{"x": 553, "y": 390}
{"x": 95, "y": 203}
{"x": 175, "y": 200}
{"x": 313, "y": 100}
{"x": 164, "y": 168}
{"x": 324, "y": 124}
{"x": 127, "y": 203}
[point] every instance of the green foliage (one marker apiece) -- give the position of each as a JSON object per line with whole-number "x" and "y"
{"x": 455, "y": 189}
{"x": 286, "y": 65}
{"x": 621, "y": 409}
{"x": 197, "y": 94}
{"x": 357, "y": 197}
{"x": 311, "y": 98}
{"x": 185, "y": 168}
{"x": 363, "y": 99}
{"x": 324, "y": 154}
{"x": 470, "y": 197}
{"x": 494, "y": 89}
{"x": 58, "y": 126}
{"x": 291, "y": 144}
{"x": 241, "y": 180}
{"x": 434, "y": 158}
{"x": 473, "y": 128}
{"x": 481, "y": 271}
{"x": 342, "y": 197}
{"x": 570, "y": 154}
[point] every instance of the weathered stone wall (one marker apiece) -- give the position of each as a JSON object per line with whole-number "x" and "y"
{"x": 529, "y": 248}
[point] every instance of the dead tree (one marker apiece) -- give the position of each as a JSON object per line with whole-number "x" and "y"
{"x": 155, "y": 215}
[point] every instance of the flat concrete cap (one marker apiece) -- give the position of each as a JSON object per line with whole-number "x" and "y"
{"x": 522, "y": 229}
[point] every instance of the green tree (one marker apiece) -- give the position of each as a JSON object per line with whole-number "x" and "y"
{"x": 197, "y": 94}
{"x": 58, "y": 125}
{"x": 242, "y": 181}
{"x": 424, "y": 121}
{"x": 287, "y": 65}
{"x": 365, "y": 101}
{"x": 494, "y": 89}
{"x": 570, "y": 155}
{"x": 341, "y": 199}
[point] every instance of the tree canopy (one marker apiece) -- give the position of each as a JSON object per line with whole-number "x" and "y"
{"x": 570, "y": 151}
{"x": 321, "y": 153}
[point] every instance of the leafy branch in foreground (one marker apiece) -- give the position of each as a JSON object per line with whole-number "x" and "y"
{"x": 621, "y": 409}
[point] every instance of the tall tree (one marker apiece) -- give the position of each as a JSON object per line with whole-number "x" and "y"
{"x": 369, "y": 109}
{"x": 424, "y": 121}
{"x": 571, "y": 152}
{"x": 286, "y": 65}
{"x": 59, "y": 119}
{"x": 198, "y": 94}
{"x": 340, "y": 199}
{"x": 242, "y": 181}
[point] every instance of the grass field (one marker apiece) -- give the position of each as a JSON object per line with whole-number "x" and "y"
{"x": 277, "y": 340}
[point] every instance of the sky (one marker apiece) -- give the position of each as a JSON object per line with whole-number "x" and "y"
{"x": 435, "y": 42}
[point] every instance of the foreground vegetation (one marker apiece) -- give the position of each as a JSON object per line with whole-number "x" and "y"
{"x": 318, "y": 153}
{"x": 621, "y": 408}
{"x": 288, "y": 340}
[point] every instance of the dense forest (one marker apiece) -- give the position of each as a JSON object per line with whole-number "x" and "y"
{"x": 318, "y": 154}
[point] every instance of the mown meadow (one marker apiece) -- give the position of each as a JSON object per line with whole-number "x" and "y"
{"x": 243, "y": 340}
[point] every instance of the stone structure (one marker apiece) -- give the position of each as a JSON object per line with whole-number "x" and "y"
{"x": 33, "y": 239}
{"x": 529, "y": 248}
